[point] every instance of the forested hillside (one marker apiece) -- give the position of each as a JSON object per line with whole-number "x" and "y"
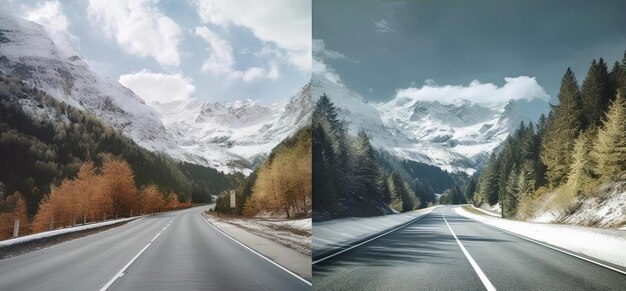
{"x": 568, "y": 157}
{"x": 348, "y": 179}
{"x": 280, "y": 186}
{"x": 43, "y": 141}
{"x": 424, "y": 179}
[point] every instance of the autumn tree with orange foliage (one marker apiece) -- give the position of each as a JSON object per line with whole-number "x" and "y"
{"x": 118, "y": 182}
{"x": 88, "y": 197}
{"x": 172, "y": 201}
{"x": 151, "y": 199}
{"x": 283, "y": 184}
{"x": 16, "y": 210}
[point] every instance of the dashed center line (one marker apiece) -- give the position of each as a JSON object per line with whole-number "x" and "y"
{"x": 122, "y": 271}
{"x": 479, "y": 272}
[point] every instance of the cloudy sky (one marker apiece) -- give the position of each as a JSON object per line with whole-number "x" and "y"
{"x": 484, "y": 50}
{"x": 168, "y": 49}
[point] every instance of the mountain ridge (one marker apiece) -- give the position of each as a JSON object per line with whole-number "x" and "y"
{"x": 456, "y": 136}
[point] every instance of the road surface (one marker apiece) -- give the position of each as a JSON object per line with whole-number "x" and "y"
{"x": 425, "y": 255}
{"x": 168, "y": 251}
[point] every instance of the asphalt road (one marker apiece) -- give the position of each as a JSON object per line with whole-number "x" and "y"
{"x": 171, "y": 251}
{"x": 426, "y": 256}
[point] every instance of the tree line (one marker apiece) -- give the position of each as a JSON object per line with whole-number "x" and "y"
{"x": 280, "y": 186}
{"x": 44, "y": 141}
{"x": 348, "y": 179}
{"x": 93, "y": 195}
{"x": 580, "y": 145}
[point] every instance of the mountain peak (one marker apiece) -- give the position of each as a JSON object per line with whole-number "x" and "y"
{"x": 454, "y": 136}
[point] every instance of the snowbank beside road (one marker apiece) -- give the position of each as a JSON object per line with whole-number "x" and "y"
{"x": 608, "y": 245}
{"x": 333, "y": 235}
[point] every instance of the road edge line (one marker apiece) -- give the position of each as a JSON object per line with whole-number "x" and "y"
{"x": 369, "y": 239}
{"x": 481, "y": 275}
{"x": 547, "y": 245}
{"x": 257, "y": 253}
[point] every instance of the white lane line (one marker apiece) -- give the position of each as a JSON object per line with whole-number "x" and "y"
{"x": 369, "y": 240}
{"x": 548, "y": 246}
{"x": 258, "y": 254}
{"x": 479, "y": 272}
{"x": 120, "y": 273}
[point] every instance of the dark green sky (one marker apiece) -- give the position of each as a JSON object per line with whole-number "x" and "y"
{"x": 455, "y": 42}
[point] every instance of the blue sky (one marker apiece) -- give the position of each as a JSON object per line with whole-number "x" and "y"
{"x": 211, "y": 49}
{"x": 384, "y": 48}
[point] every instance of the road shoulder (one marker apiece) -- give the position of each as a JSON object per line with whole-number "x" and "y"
{"x": 602, "y": 244}
{"x": 293, "y": 260}
{"x": 335, "y": 236}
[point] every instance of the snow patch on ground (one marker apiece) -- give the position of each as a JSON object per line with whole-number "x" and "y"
{"x": 491, "y": 209}
{"x": 335, "y": 234}
{"x": 56, "y": 232}
{"x": 270, "y": 238}
{"x": 607, "y": 209}
{"x": 489, "y": 212}
{"x": 294, "y": 234}
{"x": 604, "y": 244}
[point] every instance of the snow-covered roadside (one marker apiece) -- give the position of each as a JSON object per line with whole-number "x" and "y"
{"x": 604, "y": 244}
{"x": 294, "y": 234}
{"x": 488, "y": 212}
{"x": 269, "y": 238}
{"x": 332, "y": 235}
{"x": 46, "y": 234}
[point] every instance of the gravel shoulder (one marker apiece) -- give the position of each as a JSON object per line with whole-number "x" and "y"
{"x": 286, "y": 242}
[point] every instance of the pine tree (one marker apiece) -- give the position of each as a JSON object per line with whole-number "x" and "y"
{"x": 365, "y": 171}
{"x": 488, "y": 183}
{"x": 384, "y": 186}
{"x": 325, "y": 114}
{"x": 401, "y": 194}
{"x": 563, "y": 128}
{"x": 527, "y": 177}
{"x": 509, "y": 203}
{"x": 596, "y": 91}
{"x": 470, "y": 190}
{"x": 324, "y": 188}
{"x": 581, "y": 173}
{"x": 609, "y": 150}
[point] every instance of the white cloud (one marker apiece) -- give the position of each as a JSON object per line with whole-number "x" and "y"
{"x": 320, "y": 50}
{"x": 383, "y": 26}
{"x": 221, "y": 60}
{"x": 320, "y": 67}
{"x": 49, "y": 14}
{"x": 138, "y": 27}
{"x": 157, "y": 87}
{"x": 516, "y": 88}
{"x": 286, "y": 23}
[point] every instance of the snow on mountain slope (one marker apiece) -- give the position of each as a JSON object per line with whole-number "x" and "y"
{"x": 226, "y": 137}
{"x": 47, "y": 60}
{"x": 242, "y": 131}
{"x": 454, "y": 137}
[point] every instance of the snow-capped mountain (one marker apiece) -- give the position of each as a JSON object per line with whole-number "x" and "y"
{"x": 240, "y": 133}
{"x": 47, "y": 60}
{"x": 455, "y": 137}
{"x": 226, "y": 137}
